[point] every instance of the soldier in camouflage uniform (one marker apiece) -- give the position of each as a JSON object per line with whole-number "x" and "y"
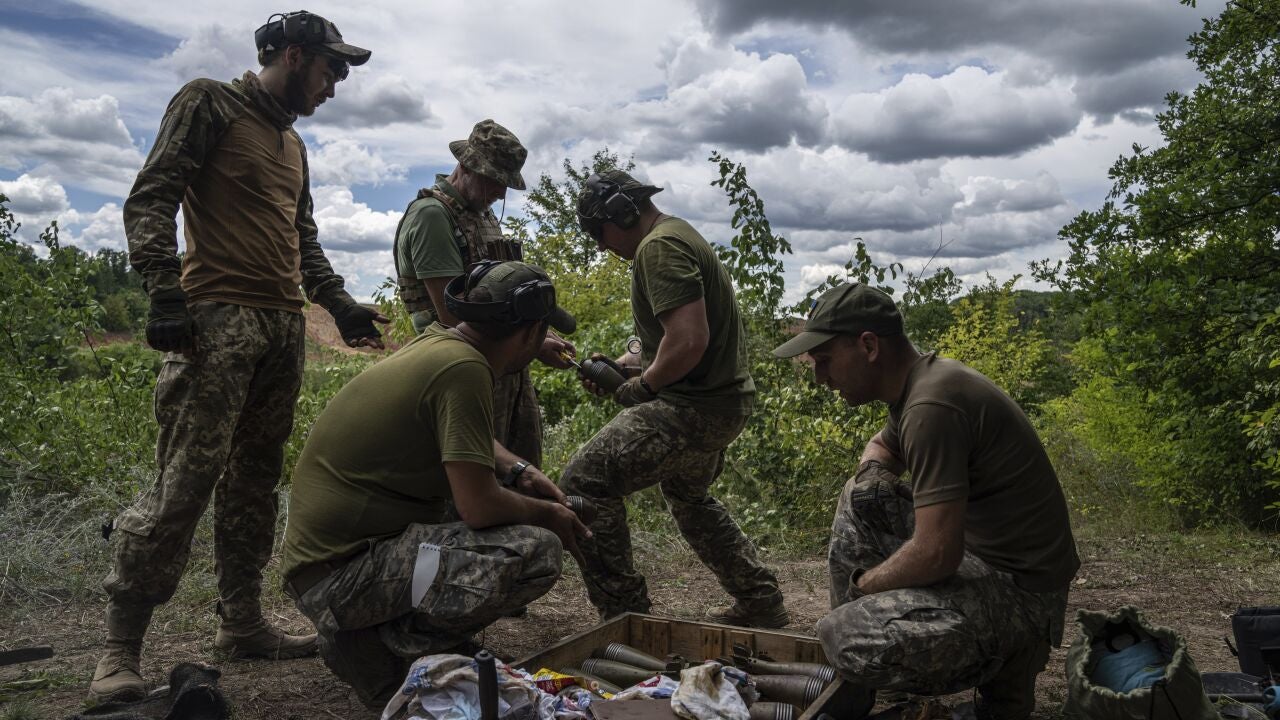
{"x": 449, "y": 227}
{"x": 229, "y": 317}
{"x": 435, "y": 549}
{"x": 689, "y": 398}
{"x": 960, "y": 579}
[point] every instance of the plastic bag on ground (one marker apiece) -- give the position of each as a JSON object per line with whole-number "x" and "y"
{"x": 706, "y": 693}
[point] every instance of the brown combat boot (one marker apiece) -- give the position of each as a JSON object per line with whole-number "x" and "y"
{"x": 118, "y": 676}
{"x": 773, "y": 616}
{"x": 257, "y": 639}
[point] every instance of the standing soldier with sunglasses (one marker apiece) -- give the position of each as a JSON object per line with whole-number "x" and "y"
{"x": 689, "y": 400}
{"x": 402, "y": 542}
{"x": 228, "y": 315}
{"x": 449, "y": 227}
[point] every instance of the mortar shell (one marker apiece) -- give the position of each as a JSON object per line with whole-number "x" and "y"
{"x": 602, "y": 684}
{"x": 772, "y": 711}
{"x": 628, "y": 655}
{"x": 602, "y": 374}
{"x": 798, "y": 690}
{"x": 756, "y": 666}
{"x": 583, "y": 508}
{"x": 617, "y": 673}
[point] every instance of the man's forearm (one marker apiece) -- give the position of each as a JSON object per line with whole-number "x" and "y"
{"x": 911, "y": 566}
{"x": 675, "y": 358}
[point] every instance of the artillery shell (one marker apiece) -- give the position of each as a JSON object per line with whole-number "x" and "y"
{"x": 583, "y": 508}
{"x": 756, "y": 666}
{"x": 601, "y": 684}
{"x": 798, "y": 690}
{"x": 629, "y": 656}
{"x": 772, "y": 711}
{"x": 615, "y": 672}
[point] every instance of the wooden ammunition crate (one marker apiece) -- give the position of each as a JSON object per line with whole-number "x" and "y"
{"x": 694, "y": 641}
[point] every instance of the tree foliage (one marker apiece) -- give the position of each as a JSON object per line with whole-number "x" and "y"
{"x": 1177, "y": 272}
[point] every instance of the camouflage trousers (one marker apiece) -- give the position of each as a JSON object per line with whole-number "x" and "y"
{"x": 975, "y": 629}
{"x": 681, "y": 450}
{"x": 224, "y": 416}
{"x": 517, "y": 419}
{"x": 370, "y": 628}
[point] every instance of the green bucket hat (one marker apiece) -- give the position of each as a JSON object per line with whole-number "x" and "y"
{"x": 494, "y": 152}
{"x": 848, "y": 309}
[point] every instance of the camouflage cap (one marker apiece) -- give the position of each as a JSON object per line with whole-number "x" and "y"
{"x": 309, "y": 30}
{"x": 492, "y": 151}
{"x": 591, "y": 198}
{"x": 846, "y": 309}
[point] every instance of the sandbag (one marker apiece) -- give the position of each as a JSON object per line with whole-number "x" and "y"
{"x": 1175, "y": 694}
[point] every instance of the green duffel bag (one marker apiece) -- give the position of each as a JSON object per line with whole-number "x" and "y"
{"x": 1123, "y": 668}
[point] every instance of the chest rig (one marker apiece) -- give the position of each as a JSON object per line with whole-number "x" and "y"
{"x": 478, "y": 235}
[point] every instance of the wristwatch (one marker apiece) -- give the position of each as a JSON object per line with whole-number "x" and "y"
{"x": 646, "y": 387}
{"x": 509, "y": 480}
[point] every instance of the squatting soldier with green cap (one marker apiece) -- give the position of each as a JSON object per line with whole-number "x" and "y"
{"x": 449, "y": 227}
{"x": 959, "y": 580}
{"x": 401, "y": 541}
{"x": 229, "y": 317}
{"x": 689, "y": 398}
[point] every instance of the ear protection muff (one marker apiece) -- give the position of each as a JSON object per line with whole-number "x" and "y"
{"x": 619, "y": 208}
{"x": 530, "y": 300}
{"x": 295, "y": 28}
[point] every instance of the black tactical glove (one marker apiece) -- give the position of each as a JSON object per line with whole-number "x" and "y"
{"x": 169, "y": 326}
{"x": 881, "y": 501}
{"x": 633, "y": 392}
{"x": 355, "y": 323}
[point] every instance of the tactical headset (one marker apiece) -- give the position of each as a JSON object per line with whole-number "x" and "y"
{"x": 530, "y": 300}
{"x": 619, "y": 208}
{"x": 295, "y": 28}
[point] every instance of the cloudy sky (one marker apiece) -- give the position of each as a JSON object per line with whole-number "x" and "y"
{"x": 984, "y": 124}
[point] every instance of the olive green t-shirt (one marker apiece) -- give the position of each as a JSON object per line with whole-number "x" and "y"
{"x": 373, "y": 462}
{"x": 426, "y": 246}
{"x": 675, "y": 266}
{"x": 961, "y": 436}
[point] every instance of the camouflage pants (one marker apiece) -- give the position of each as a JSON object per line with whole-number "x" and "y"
{"x": 517, "y": 419}
{"x": 975, "y": 629}
{"x": 224, "y": 415}
{"x": 368, "y": 626}
{"x": 682, "y": 451}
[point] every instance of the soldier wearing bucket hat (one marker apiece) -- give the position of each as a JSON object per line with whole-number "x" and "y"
{"x": 978, "y": 547}
{"x": 439, "y": 549}
{"x": 450, "y": 227}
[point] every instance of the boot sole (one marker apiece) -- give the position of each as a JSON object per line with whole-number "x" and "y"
{"x": 122, "y": 695}
{"x": 236, "y": 653}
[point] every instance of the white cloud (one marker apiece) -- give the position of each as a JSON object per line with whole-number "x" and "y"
{"x": 79, "y": 141}
{"x": 366, "y": 100}
{"x": 346, "y": 162}
{"x": 30, "y": 195}
{"x": 968, "y": 112}
{"x": 351, "y": 226}
{"x": 212, "y": 51}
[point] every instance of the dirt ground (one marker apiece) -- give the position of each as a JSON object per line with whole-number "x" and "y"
{"x": 1172, "y": 578}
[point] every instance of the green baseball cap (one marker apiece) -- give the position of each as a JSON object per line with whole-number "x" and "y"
{"x": 524, "y": 292}
{"x": 591, "y": 200}
{"x": 494, "y": 152}
{"x": 848, "y": 309}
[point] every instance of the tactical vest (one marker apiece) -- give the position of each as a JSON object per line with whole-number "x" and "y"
{"x": 478, "y": 235}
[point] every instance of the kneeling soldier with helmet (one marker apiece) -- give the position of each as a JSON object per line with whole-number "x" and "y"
{"x": 401, "y": 541}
